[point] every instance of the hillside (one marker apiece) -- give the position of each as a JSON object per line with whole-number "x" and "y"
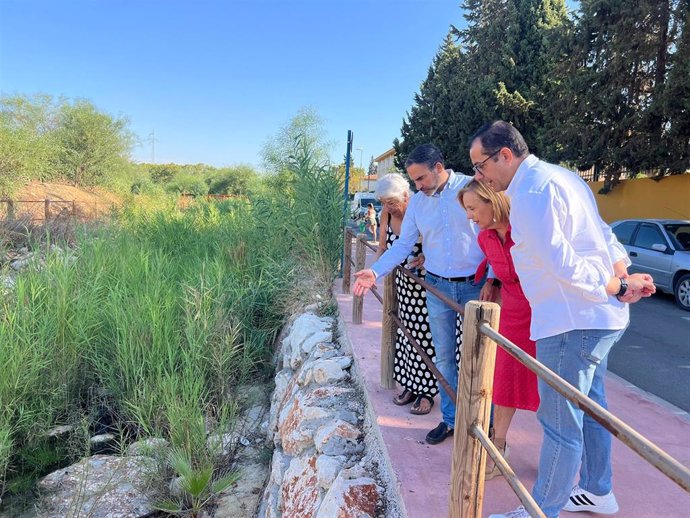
{"x": 86, "y": 202}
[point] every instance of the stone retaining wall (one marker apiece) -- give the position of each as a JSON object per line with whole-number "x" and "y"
{"x": 328, "y": 461}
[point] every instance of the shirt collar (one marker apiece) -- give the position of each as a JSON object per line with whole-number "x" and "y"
{"x": 449, "y": 182}
{"x": 526, "y": 164}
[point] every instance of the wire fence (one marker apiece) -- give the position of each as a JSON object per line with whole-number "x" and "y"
{"x": 48, "y": 210}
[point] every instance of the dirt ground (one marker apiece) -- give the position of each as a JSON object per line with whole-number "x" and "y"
{"x": 63, "y": 199}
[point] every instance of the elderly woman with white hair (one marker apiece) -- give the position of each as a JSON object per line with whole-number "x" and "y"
{"x": 414, "y": 377}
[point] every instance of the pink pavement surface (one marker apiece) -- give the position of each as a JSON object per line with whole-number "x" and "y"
{"x": 423, "y": 471}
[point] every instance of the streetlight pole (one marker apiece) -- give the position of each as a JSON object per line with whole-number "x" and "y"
{"x": 360, "y": 164}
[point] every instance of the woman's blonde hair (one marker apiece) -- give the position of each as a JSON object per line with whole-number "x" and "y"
{"x": 499, "y": 201}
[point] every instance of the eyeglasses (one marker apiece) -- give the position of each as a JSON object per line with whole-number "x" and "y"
{"x": 478, "y": 167}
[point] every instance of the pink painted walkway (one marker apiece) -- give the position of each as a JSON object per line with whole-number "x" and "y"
{"x": 423, "y": 471}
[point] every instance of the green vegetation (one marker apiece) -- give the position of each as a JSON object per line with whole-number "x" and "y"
{"x": 606, "y": 87}
{"x": 150, "y": 324}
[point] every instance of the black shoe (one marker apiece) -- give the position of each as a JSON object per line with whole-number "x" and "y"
{"x": 439, "y": 434}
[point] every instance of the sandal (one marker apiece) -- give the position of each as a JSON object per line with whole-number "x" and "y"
{"x": 418, "y": 409}
{"x": 405, "y": 397}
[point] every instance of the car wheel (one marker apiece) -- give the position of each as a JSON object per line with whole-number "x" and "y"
{"x": 682, "y": 292}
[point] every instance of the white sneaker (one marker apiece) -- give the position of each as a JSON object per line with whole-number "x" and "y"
{"x": 583, "y": 500}
{"x": 520, "y": 512}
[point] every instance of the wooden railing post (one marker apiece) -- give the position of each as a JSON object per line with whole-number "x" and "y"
{"x": 388, "y": 331}
{"x": 347, "y": 260}
{"x": 360, "y": 261}
{"x": 46, "y": 210}
{"x": 10, "y": 209}
{"x": 475, "y": 388}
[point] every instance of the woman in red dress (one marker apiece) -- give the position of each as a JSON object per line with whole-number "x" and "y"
{"x": 514, "y": 385}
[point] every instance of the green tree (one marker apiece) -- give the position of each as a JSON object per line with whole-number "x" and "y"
{"x": 186, "y": 183}
{"x": 676, "y": 98}
{"x": 231, "y": 180}
{"x": 499, "y": 66}
{"x": 28, "y": 148}
{"x": 610, "y": 109}
{"x": 92, "y": 144}
{"x": 305, "y": 130}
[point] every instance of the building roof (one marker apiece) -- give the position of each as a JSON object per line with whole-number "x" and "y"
{"x": 389, "y": 153}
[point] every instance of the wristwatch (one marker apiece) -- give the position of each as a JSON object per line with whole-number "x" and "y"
{"x": 624, "y": 287}
{"x": 496, "y": 283}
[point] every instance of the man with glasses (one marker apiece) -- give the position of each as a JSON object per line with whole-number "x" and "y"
{"x": 452, "y": 255}
{"x": 573, "y": 272}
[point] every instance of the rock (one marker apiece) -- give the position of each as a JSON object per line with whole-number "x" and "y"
{"x": 325, "y": 351}
{"x": 327, "y": 469}
{"x": 297, "y": 424}
{"x": 251, "y": 418}
{"x": 102, "y": 438}
{"x": 222, "y": 443}
{"x": 300, "y": 494}
{"x": 326, "y": 372}
{"x": 151, "y": 447}
{"x": 242, "y": 498}
{"x": 101, "y": 486}
{"x": 337, "y": 438}
{"x": 175, "y": 487}
{"x": 59, "y": 431}
{"x": 307, "y": 331}
{"x": 350, "y": 498}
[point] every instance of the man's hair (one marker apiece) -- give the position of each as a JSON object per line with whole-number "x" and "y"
{"x": 500, "y": 203}
{"x": 499, "y": 134}
{"x": 426, "y": 154}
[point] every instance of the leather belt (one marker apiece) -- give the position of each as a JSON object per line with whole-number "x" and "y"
{"x": 469, "y": 278}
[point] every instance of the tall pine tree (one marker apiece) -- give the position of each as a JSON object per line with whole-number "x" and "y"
{"x": 500, "y": 68}
{"x": 609, "y": 112}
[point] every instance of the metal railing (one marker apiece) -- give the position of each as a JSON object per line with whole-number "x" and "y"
{"x": 475, "y": 390}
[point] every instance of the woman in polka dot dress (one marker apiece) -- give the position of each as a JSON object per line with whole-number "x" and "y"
{"x": 417, "y": 381}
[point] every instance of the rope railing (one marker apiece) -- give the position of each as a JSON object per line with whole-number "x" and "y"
{"x": 474, "y": 395}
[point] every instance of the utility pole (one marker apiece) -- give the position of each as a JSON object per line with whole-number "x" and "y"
{"x": 152, "y": 140}
{"x": 360, "y": 164}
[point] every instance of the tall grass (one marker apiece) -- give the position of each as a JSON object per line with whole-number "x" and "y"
{"x": 154, "y": 321}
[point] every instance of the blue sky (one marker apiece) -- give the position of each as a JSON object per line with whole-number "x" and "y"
{"x": 216, "y": 79}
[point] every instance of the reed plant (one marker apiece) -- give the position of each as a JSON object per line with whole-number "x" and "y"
{"x": 157, "y": 318}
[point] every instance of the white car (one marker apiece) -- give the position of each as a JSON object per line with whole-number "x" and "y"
{"x": 660, "y": 247}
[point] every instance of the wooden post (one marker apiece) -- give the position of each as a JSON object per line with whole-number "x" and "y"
{"x": 347, "y": 258}
{"x": 475, "y": 388}
{"x": 46, "y": 210}
{"x": 360, "y": 262}
{"x": 388, "y": 331}
{"x": 10, "y": 210}
{"x": 74, "y": 211}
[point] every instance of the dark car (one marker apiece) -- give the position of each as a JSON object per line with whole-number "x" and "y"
{"x": 660, "y": 247}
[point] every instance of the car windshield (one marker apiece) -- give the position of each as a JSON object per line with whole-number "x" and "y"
{"x": 680, "y": 235}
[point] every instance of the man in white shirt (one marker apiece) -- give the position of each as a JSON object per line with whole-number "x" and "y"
{"x": 452, "y": 256}
{"x": 574, "y": 274}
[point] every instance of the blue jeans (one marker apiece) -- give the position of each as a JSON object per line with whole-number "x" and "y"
{"x": 572, "y": 439}
{"x": 442, "y": 321}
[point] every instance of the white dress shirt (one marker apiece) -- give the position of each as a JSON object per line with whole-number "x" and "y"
{"x": 564, "y": 252}
{"x": 449, "y": 239}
